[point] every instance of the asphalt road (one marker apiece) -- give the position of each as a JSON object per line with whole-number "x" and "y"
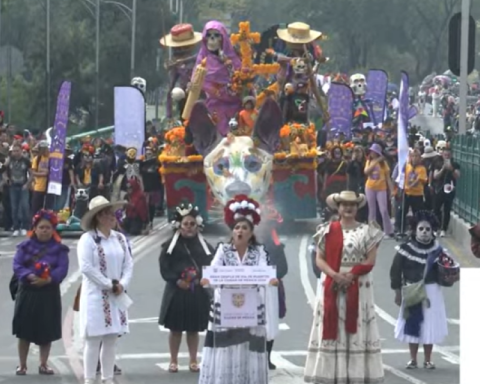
{"x": 143, "y": 354}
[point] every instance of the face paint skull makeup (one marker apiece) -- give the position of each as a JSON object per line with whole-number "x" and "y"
{"x": 132, "y": 153}
{"x": 214, "y": 40}
{"x": 424, "y": 232}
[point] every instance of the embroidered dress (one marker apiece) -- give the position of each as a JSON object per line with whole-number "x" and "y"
{"x": 101, "y": 260}
{"x": 351, "y": 358}
{"x": 408, "y": 267}
{"x": 235, "y": 355}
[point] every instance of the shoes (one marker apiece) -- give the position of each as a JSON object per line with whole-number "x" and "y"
{"x": 23, "y": 232}
{"x": 412, "y": 364}
{"x": 15, "y": 233}
{"x": 89, "y": 381}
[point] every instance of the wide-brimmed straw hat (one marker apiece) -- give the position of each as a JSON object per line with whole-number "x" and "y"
{"x": 429, "y": 152}
{"x": 97, "y": 204}
{"x": 298, "y": 33}
{"x": 181, "y": 35}
{"x": 335, "y": 199}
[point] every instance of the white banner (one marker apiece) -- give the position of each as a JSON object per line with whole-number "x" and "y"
{"x": 222, "y": 275}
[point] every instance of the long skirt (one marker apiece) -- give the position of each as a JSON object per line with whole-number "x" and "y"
{"x": 234, "y": 355}
{"x": 434, "y": 328}
{"x": 352, "y": 358}
{"x": 38, "y": 314}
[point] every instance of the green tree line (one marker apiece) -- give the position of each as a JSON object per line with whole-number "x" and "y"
{"x": 394, "y": 35}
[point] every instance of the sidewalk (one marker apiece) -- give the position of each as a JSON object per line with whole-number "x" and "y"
{"x": 458, "y": 242}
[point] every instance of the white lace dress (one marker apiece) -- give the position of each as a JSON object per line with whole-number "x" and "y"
{"x": 352, "y": 358}
{"x": 236, "y": 355}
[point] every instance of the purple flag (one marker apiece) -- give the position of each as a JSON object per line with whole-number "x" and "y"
{"x": 129, "y": 117}
{"x": 377, "y": 83}
{"x": 340, "y": 101}
{"x": 57, "y": 147}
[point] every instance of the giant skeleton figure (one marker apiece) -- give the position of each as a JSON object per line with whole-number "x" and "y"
{"x": 297, "y": 74}
{"x": 221, "y": 62}
{"x": 183, "y": 41}
{"x": 140, "y": 84}
{"x": 361, "y": 108}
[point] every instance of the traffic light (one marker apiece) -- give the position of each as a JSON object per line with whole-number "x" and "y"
{"x": 454, "y": 43}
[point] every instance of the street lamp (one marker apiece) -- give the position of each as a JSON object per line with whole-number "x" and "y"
{"x": 133, "y": 19}
{"x": 47, "y": 65}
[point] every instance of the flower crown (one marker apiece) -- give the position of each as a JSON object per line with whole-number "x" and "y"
{"x": 186, "y": 210}
{"x": 45, "y": 214}
{"x": 242, "y": 207}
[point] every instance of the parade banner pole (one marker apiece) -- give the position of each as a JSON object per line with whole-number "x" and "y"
{"x": 57, "y": 147}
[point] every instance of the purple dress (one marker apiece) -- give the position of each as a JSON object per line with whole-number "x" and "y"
{"x": 38, "y": 310}
{"x": 220, "y": 100}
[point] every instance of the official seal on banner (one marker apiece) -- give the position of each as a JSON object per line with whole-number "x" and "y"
{"x": 238, "y": 299}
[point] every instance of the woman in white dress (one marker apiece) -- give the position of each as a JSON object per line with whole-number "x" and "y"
{"x": 239, "y": 355}
{"x": 106, "y": 265}
{"x": 344, "y": 344}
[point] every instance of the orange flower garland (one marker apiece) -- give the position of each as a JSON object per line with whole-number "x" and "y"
{"x": 242, "y": 80}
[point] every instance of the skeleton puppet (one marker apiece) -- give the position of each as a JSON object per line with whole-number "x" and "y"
{"x": 295, "y": 72}
{"x": 361, "y": 114}
{"x": 139, "y": 83}
{"x": 221, "y": 62}
{"x": 128, "y": 168}
{"x": 183, "y": 40}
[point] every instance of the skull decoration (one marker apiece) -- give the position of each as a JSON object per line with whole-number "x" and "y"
{"x": 233, "y": 124}
{"x": 214, "y": 40}
{"x": 299, "y": 66}
{"x": 441, "y": 146}
{"x": 139, "y": 83}
{"x": 424, "y": 232}
{"x": 358, "y": 83}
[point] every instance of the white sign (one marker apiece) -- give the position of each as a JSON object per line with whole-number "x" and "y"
{"x": 239, "y": 275}
{"x": 239, "y": 307}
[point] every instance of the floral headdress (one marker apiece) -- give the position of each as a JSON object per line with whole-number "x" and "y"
{"x": 45, "y": 214}
{"x": 186, "y": 209}
{"x": 242, "y": 207}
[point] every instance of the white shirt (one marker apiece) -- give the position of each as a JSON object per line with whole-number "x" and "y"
{"x": 99, "y": 312}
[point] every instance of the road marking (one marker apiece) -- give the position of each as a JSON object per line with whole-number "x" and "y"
{"x": 310, "y": 293}
{"x": 453, "y": 321}
{"x": 403, "y": 375}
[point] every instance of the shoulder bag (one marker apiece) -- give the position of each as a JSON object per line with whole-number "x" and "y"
{"x": 415, "y": 293}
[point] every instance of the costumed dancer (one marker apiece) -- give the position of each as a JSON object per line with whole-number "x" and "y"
{"x": 237, "y": 355}
{"x": 183, "y": 40}
{"x": 419, "y": 270}
{"x": 128, "y": 168}
{"x": 221, "y": 62}
{"x": 152, "y": 183}
{"x": 185, "y": 304}
{"x": 345, "y": 341}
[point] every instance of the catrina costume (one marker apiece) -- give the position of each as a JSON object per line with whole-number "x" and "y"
{"x": 419, "y": 270}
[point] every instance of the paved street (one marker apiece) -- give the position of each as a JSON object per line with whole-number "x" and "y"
{"x": 144, "y": 353}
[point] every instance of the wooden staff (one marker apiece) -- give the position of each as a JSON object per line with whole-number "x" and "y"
{"x": 195, "y": 89}
{"x": 317, "y": 92}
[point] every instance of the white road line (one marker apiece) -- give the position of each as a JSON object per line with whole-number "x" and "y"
{"x": 453, "y": 321}
{"x": 310, "y": 293}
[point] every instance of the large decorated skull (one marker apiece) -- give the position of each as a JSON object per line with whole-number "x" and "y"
{"x": 139, "y": 83}
{"x": 424, "y": 232}
{"x": 237, "y": 165}
{"x": 358, "y": 83}
{"x": 214, "y": 40}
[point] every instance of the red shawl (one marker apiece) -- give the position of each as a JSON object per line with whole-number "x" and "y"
{"x": 333, "y": 255}
{"x": 137, "y": 206}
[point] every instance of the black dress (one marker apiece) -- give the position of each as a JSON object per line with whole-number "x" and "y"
{"x": 184, "y": 310}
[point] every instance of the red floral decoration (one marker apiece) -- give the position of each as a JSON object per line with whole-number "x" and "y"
{"x": 45, "y": 214}
{"x": 242, "y": 207}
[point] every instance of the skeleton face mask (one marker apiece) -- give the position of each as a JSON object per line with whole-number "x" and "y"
{"x": 214, "y": 40}
{"x": 358, "y": 83}
{"x": 424, "y": 233}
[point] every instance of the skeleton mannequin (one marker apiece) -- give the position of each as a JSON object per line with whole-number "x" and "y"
{"x": 358, "y": 83}
{"x": 183, "y": 41}
{"x": 424, "y": 232}
{"x": 221, "y": 62}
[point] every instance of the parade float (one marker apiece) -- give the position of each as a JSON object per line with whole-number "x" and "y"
{"x": 259, "y": 135}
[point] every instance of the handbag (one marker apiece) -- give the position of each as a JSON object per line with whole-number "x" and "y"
{"x": 208, "y": 290}
{"x": 415, "y": 293}
{"x": 14, "y": 283}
